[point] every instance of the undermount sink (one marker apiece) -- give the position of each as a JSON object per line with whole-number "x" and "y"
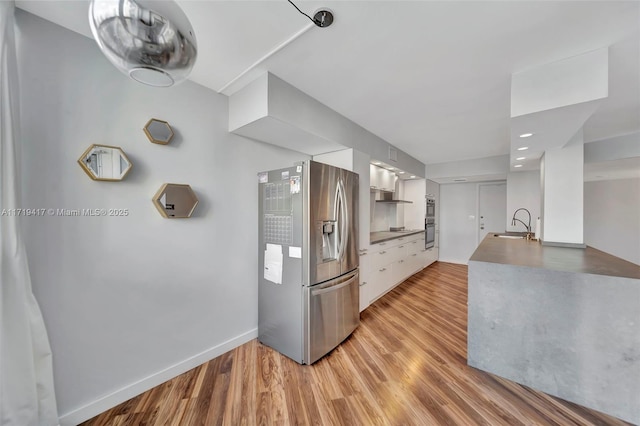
{"x": 510, "y": 235}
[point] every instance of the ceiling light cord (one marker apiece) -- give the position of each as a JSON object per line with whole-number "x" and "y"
{"x": 298, "y": 9}
{"x": 322, "y": 18}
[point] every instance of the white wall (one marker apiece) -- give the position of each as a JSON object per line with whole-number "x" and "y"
{"x": 490, "y": 168}
{"x": 414, "y": 190}
{"x": 458, "y": 222}
{"x": 563, "y": 181}
{"x": 342, "y": 158}
{"x": 523, "y": 190}
{"x": 381, "y": 214}
{"x": 612, "y": 217}
{"x": 178, "y": 292}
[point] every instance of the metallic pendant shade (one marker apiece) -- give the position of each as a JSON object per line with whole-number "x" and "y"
{"x": 150, "y": 41}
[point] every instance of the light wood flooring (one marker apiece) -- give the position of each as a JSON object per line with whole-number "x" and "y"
{"x": 404, "y": 365}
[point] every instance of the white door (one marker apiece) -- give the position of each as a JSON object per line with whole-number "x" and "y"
{"x": 492, "y": 208}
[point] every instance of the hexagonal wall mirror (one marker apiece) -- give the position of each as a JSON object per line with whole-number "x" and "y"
{"x": 104, "y": 162}
{"x": 174, "y": 200}
{"x": 158, "y": 131}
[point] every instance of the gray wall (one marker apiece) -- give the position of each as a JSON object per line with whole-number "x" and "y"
{"x": 130, "y": 301}
{"x": 612, "y": 217}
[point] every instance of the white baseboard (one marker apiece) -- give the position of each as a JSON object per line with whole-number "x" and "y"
{"x": 101, "y": 405}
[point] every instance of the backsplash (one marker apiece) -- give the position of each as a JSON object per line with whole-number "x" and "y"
{"x": 384, "y": 215}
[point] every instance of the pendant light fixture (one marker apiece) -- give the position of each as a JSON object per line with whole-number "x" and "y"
{"x": 150, "y": 41}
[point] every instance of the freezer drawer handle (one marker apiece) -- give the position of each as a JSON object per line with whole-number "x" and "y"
{"x": 333, "y": 287}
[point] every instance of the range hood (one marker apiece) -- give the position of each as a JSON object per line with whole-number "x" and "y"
{"x": 389, "y": 197}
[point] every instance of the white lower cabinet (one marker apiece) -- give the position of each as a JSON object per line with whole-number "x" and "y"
{"x": 415, "y": 262}
{"x": 381, "y": 275}
{"x": 393, "y": 261}
{"x": 431, "y": 256}
{"x": 365, "y": 279}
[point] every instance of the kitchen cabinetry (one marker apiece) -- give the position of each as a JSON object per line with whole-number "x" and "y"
{"x": 382, "y": 179}
{"x": 365, "y": 279}
{"x": 393, "y": 261}
{"x": 430, "y": 255}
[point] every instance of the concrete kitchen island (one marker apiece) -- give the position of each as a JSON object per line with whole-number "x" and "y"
{"x": 565, "y": 321}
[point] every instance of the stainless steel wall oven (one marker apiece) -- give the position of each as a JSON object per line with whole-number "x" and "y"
{"x": 430, "y": 233}
{"x": 430, "y": 224}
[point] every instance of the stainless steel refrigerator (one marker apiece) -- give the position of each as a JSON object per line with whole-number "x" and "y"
{"x": 308, "y": 286}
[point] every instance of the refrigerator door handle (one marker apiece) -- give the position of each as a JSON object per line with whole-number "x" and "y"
{"x": 337, "y": 214}
{"x": 339, "y": 218}
{"x": 334, "y": 287}
{"x": 343, "y": 217}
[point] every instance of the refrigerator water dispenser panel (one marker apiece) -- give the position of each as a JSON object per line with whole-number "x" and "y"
{"x": 329, "y": 240}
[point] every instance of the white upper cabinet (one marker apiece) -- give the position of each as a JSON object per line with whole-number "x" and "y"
{"x": 382, "y": 178}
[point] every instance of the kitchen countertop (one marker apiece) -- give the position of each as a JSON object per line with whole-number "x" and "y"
{"x": 522, "y": 252}
{"x": 382, "y": 236}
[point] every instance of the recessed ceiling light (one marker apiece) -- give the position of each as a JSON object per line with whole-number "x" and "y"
{"x": 523, "y": 148}
{"x": 518, "y": 165}
{"x": 520, "y": 158}
{"x": 526, "y": 135}
{"x": 412, "y": 177}
{"x": 400, "y": 173}
{"x": 460, "y": 180}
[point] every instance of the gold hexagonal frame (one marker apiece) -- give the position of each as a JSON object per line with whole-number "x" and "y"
{"x": 175, "y": 201}
{"x": 105, "y": 162}
{"x": 158, "y": 131}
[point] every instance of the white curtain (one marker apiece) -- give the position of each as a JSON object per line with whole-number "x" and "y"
{"x": 26, "y": 378}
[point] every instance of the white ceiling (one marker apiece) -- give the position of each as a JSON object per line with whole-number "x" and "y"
{"x": 432, "y": 78}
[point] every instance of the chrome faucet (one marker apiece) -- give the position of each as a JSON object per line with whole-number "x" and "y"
{"x": 513, "y": 220}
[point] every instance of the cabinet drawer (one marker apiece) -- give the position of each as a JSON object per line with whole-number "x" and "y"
{"x": 388, "y": 255}
{"x": 415, "y": 246}
{"x": 365, "y": 261}
{"x": 380, "y": 258}
{"x": 415, "y": 261}
{"x": 398, "y": 252}
{"x": 379, "y": 282}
